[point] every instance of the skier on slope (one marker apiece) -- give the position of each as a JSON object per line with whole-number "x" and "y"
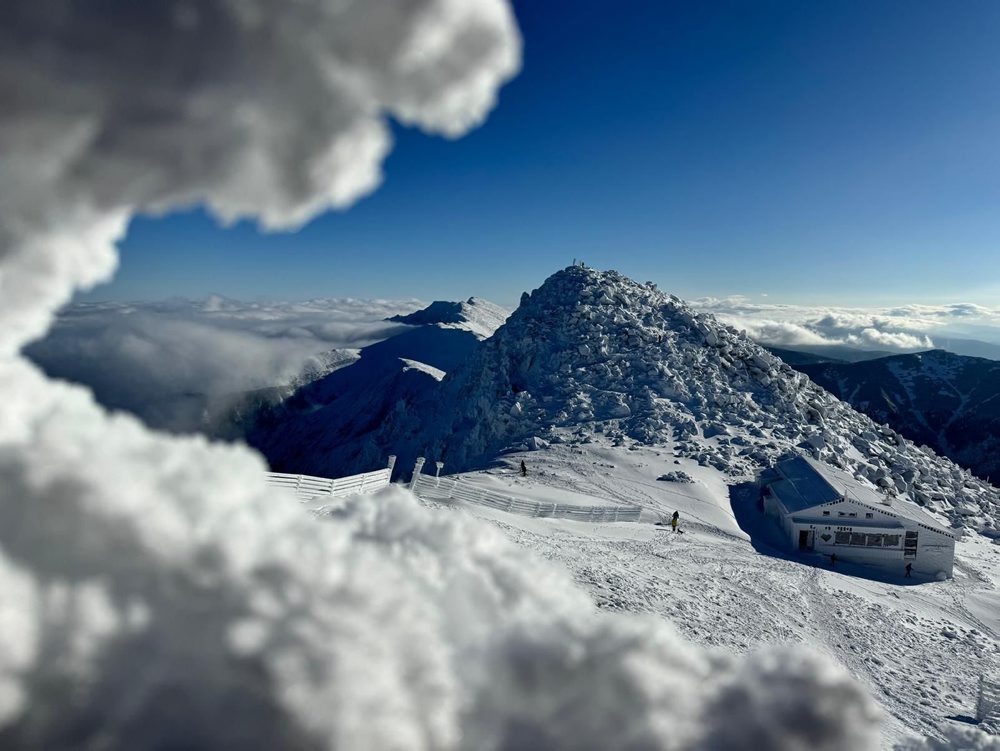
{"x": 674, "y": 521}
{"x": 524, "y": 469}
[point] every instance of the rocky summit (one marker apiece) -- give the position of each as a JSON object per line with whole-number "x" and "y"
{"x": 594, "y": 354}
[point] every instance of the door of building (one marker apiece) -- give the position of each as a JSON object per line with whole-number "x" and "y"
{"x": 806, "y": 539}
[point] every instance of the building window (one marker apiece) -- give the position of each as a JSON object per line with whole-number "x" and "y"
{"x": 842, "y": 538}
{"x": 826, "y": 513}
{"x": 891, "y": 541}
{"x": 852, "y": 514}
{"x": 873, "y": 541}
{"x": 910, "y": 545}
{"x": 869, "y": 515}
{"x": 841, "y": 513}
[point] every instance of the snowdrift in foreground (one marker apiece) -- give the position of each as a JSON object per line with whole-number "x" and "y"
{"x": 956, "y": 739}
{"x": 156, "y": 594}
{"x": 138, "y": 620}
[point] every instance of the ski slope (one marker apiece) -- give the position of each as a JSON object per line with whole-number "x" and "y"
{"x": 918, "y": 649}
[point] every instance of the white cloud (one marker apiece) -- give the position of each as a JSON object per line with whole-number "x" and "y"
{"x": 256, "y": 108}
{"x": 902, "y": 328}
{"x": 164, "y": 595}
{"x": 889, "y": 340}
{"x": 168, "y": 361}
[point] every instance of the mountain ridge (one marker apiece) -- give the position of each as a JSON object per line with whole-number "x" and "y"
{"x": 593, "y": 353}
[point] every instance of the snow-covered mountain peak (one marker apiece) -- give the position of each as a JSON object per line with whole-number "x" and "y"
{"x": 594, "y": 354}
{"x": 596, "y": 304}
{"x": 481, "y": 317}
{"x": 594, "y": 357}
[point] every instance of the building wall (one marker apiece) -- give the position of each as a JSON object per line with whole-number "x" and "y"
{"x": 847, "y": 511}
{"x": 934, "y": 555}
{"x": 934, "y": 552}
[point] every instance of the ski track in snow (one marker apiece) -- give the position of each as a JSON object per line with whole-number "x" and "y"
{"x": 918, "y": 649}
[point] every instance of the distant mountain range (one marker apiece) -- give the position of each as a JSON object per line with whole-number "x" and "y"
{"x": 794, "y": 355}
{"x": 946, "y": 401}
{"x": 846, "y": 353}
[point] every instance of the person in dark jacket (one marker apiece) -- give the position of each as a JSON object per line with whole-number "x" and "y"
{"x": 833, "y": 560}
{"x": 675, "y": 520}
{"x": 524, "y": 469}
{"x": 909, "y": 569}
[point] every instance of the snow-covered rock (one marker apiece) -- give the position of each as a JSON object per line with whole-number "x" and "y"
{"x": 660, "y": 373}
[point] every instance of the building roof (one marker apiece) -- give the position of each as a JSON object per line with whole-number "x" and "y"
{"x": 801, "y": 486}
{"x": 807, "y": 483}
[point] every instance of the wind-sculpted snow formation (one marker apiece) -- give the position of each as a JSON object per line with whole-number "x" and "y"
{"x": 594, "y": 352}
{"x": 156, "y": 593}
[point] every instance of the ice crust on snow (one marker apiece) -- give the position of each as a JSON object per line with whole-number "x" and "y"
{"x": 594, "y": 352}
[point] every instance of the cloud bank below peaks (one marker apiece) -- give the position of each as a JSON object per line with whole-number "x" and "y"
{"x": 904, "y": 328}
{"x": 171, "y": 363}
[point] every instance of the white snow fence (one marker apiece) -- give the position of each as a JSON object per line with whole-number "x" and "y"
{"x": 307, "y": 487}
{"x": 453, "y": 489}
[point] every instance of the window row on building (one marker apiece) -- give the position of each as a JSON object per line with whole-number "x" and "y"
{"x": 864, "y": 539}
{"x": 851, "y": 514}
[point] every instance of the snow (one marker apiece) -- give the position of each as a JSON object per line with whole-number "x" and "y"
{"x": 593, "y": 353}
{"x": 159, "y": 594}
{"x": 430, "y": 370}
{"x": 615, "y": 385}
{"x": 478, "y": 316}
{"x": 918, "y": 649}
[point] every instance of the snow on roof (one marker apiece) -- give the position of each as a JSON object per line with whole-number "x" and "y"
{"x": 806, "y": 483}
{"x": 802, "y": 486}
{"x": 859, "y": 491}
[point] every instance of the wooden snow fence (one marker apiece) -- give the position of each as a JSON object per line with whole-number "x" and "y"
{"x": 307, "y": 487}
{"x": 452, "y": 489}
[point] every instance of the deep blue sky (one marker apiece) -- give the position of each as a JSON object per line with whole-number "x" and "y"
{"x": 840, "y": 152}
